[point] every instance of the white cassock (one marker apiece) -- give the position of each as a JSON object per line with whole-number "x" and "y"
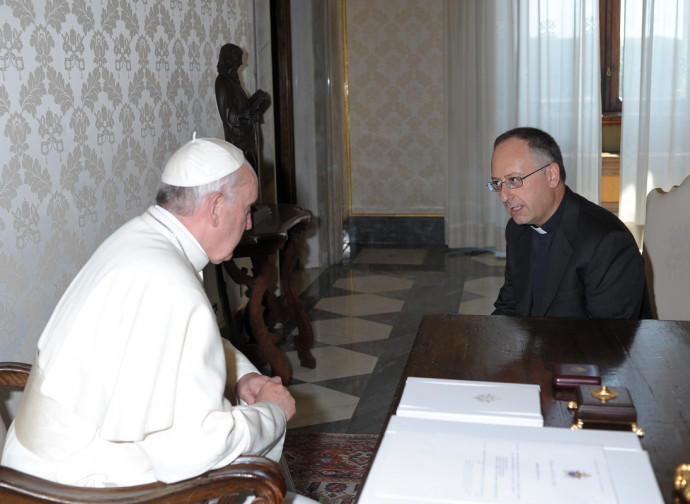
{"x": 128, "y": 383}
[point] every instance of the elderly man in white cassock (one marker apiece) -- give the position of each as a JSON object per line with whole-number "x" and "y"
{"x": 129, "y": 381}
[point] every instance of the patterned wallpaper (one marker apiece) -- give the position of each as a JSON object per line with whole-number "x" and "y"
{"x": 94, "y": 97}
{"x": 396, "y": 106}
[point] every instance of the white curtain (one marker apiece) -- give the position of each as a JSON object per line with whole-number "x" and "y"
{"x": 517, "y": 63}
{"x": 655, "y": 130}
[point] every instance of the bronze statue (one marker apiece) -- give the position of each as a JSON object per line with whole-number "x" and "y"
{"x": 239, "y": 112}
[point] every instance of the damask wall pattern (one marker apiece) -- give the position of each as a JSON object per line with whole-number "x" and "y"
{"x": 396, "y": 106}
{"x": 94, "y": 97}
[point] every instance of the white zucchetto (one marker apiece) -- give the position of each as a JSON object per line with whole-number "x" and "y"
{"x": 201, "y": 161}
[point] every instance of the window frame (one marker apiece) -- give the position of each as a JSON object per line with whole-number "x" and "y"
{"x": 609, "y": 49}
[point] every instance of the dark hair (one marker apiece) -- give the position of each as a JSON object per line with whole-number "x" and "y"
{"x": 539, "y": 142}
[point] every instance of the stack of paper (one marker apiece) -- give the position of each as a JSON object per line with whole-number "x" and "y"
{"x": 432, "y": 461}
{"x": 471, "y": 401}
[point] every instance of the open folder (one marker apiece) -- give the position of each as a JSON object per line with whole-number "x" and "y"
{"x": 444, "y": 445}
{"x": 436, "y": 461}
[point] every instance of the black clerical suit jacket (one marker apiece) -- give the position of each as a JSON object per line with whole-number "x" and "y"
{"x": 595, "y": 268}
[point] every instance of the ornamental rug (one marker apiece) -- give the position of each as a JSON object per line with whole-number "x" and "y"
{"x": 328, "y": 467}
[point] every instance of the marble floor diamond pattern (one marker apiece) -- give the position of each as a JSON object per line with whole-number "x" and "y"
{"x": 365, "y": 313}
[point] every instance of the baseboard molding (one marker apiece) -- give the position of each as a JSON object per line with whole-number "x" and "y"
{"x": 394, "y": 230}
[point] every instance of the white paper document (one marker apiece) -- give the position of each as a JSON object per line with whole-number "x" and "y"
{"x": 471, "y": 401}
{"x": 493, "y": 470}
{"x": 430, "y": 461}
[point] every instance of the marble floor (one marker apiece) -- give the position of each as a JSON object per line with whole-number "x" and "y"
{"x": 365, "y": 314}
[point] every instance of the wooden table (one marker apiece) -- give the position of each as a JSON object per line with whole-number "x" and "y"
{"x": 275, "y": 229}
{"x": 651, "y": 358}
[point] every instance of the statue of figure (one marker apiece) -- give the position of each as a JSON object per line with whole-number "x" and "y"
{"x": 239, "y": 112}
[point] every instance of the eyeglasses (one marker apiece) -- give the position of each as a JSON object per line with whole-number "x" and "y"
{"x": 511, "y": 182}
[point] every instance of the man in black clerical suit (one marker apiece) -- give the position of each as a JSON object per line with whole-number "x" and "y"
{"x": 565, "y": 256}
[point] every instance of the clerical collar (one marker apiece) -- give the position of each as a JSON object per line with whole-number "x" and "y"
{"x": 551, "y": 224}
{"x": 188, "y": 245}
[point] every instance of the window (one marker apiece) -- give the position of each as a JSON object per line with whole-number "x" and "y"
{"x": 610, "y": 53}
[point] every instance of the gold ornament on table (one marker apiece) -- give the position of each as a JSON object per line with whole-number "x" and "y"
{"x": 681, "y": 494}
{"x": 604, "y": 394}
{"x": 604, "y": 406}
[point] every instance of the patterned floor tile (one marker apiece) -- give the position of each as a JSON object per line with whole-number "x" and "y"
{"x": 479, "y": 295}
{"x": 302, "y": 278}
{"x": 480, "y": 306}
{"x": 490, "y": 260}
{"x": 332, "y": 362}
{"x": 373, "y": 283}
{"x": 365, "y": 314}
{"x": 347, "y": 330}
{"x": 359, "y": 305}
{"x": 485, "y": 286}
{"x": 317, "y": 405}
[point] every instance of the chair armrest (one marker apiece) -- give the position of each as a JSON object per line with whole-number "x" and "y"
{"x": 246, "y": 474}
{"x": 14, "y": 374}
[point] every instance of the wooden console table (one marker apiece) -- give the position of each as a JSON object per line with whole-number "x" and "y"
{"x": 274, "y": 230}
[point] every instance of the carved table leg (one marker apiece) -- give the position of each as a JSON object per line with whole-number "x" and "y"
{"x": 267, "y": 340}
{"x": 304, "y": 340}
